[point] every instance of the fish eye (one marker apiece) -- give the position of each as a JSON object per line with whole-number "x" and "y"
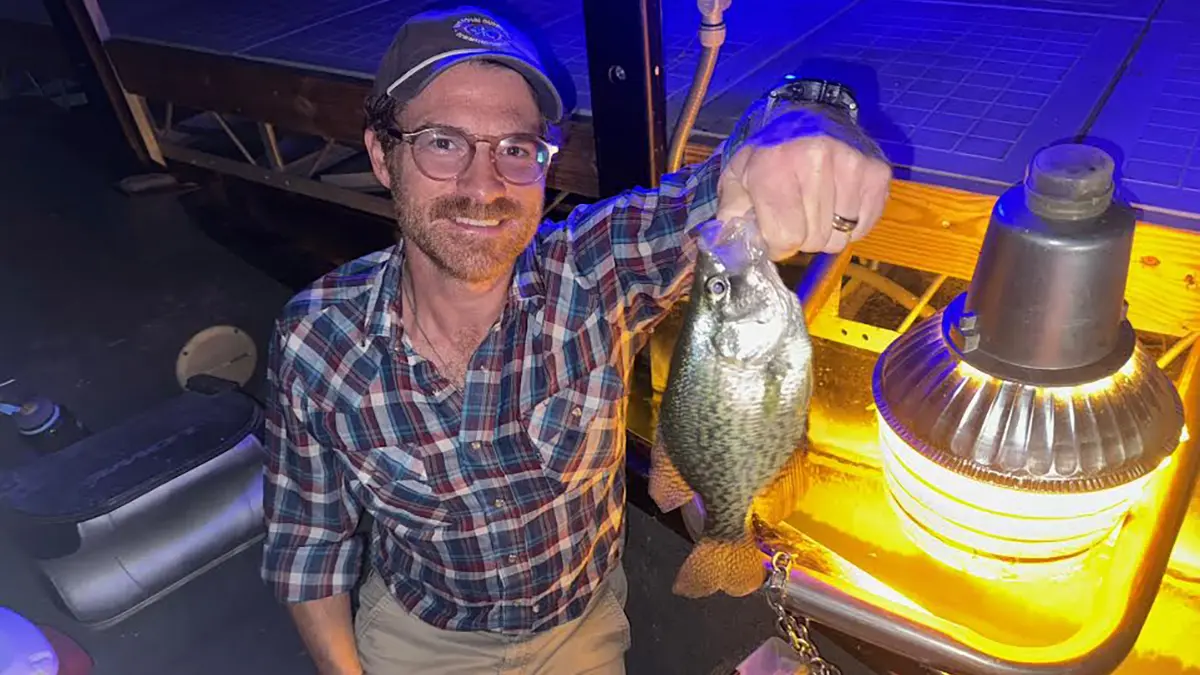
{"x": 717, "y": 286}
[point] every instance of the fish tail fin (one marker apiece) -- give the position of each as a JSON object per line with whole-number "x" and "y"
{"x": 667, "y": 488}
{"x": 736, "y": 568}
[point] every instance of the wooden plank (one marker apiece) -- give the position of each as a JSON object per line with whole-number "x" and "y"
{"x": 575, "y": 169}
{"x": 379, "y": 206}
{"x": 81, "y": 35}
{"x": 295, "y": 99}
{"x": 940, "y": 230}
{"x": 320, "y": 104}
{"x": 144, "y": 123}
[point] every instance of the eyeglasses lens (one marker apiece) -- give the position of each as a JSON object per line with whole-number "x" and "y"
{"x": 444, "y": 154}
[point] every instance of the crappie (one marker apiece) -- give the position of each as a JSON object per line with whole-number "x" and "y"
{"x": 735, "y": 410}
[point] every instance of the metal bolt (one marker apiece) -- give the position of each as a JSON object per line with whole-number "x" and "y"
{"x": 967, "y": 322}
{"x": 967, "y": 329}
{"x": 616, "y": 73}
{"x": 970, "y": 342}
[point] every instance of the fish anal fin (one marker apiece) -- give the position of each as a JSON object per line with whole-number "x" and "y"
{"x": 734, "y": 568}
{"x": 783, "y": 494}
{"x": 667, "y": 488}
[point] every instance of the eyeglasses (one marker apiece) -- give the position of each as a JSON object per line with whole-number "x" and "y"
{"x": 443, "y": 153}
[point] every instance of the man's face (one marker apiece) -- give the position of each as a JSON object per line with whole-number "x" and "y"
{"x": 475, "y": 226}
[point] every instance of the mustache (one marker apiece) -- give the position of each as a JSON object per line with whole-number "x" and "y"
{"x": 502, "y": 208}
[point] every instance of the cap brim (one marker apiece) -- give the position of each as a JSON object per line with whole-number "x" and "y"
{"x": 548, "y": 97}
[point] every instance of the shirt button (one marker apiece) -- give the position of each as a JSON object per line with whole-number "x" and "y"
{"x": 499, "y": 503}
{"x": 577, "y": 412}
{"x": 476, "y": 445}
{"x": 513, "y": 558}
{"x": 537, "y": 609}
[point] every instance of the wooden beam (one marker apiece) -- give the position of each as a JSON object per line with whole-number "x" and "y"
{"x": 295, "y": 99}
{"x": 81, "y": 29}
{"x": 302, "y": 101}
{"x": 139, "y": 112}
{"x": 379, "y": 206}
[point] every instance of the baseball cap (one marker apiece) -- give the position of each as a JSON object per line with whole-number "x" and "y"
{"x": 432, "y": 41}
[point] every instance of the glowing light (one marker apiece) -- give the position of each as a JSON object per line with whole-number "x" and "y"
{"x": 999, "y": 521}
{"x": 1087, "y": 390}
{"x": 1010, "y": 470}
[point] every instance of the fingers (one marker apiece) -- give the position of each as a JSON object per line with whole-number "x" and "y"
{"x": 792, "y": 193}
{"x": 818, "y": 192}
{"x": 796, "y": 188}
{"x": 760, "y": 179}
{"x": 863, "y": 185}
{"x": 876, "y": 186}
{"x": 733, "y": 199}
{"x": 848, "y": 172}
{"x": 847, "y": 194}
{"x": 783, "y": 216}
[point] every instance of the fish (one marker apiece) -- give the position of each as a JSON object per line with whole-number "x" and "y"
{"x": 733, "y": 418}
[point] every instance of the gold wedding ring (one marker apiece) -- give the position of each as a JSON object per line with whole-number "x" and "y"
{"x": 843, "y": 224}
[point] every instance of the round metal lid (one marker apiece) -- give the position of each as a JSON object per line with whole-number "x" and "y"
{"x": 1069, "y": 182}
{"x": 221, "y": 351}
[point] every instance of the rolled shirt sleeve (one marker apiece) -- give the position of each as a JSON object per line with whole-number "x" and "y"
{"x": 311, "y": 549}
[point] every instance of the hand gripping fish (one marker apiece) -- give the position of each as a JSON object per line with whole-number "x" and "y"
{"x": 734, "y": 415}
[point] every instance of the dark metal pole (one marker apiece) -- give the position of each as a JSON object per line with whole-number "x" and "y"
{"x": 625, "y": 69}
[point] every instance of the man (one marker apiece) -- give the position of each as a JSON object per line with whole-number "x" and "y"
{"x": 464, "y": 387}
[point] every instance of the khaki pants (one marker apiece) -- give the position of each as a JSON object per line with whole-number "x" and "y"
{"x": 393, "y": 642}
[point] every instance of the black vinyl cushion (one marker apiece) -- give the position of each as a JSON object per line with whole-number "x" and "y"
{"x": 111, "y": 468}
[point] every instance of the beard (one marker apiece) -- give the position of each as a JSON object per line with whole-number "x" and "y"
{"x": 466, "y": 258}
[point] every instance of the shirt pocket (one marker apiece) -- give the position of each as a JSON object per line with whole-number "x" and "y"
{"x": 393, "y": 476}
{"x": 400, "y": 488}
{"x": 576, "y": 431}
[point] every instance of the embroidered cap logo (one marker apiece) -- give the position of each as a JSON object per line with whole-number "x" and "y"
{"x": 481, "y": 30}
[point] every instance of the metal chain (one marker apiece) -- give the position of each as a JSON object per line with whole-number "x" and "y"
{"x": 795, "y": 631}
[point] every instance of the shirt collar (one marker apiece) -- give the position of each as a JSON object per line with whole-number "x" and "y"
{"x": 382, "y": 316}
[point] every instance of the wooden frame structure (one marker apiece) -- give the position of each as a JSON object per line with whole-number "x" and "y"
{"x": 301, "y": 130}
{"x": 307, "y": 121}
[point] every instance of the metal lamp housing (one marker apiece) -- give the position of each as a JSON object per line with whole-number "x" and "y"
{"x": 1021, "y": 419}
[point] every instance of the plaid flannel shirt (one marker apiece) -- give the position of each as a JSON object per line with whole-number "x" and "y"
{"x": 500, "y": 506}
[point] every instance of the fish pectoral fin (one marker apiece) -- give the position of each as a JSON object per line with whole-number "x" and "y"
{"x": 735, "y": 568}
{"x": 667, "y": 488}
